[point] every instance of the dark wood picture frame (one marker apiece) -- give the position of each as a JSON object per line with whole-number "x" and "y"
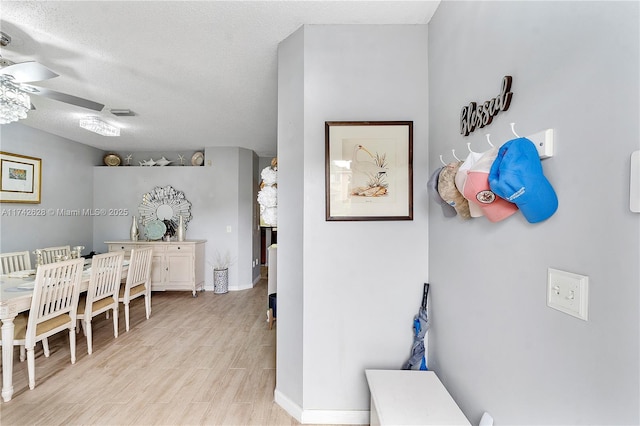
{"x": 368, "y": 170}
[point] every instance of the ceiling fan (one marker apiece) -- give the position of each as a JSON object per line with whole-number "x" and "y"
{"x": 18, "y": 75}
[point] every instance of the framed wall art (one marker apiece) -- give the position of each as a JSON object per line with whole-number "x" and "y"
{"x": 369, "y": 170}
{"x": 20, "y": 178}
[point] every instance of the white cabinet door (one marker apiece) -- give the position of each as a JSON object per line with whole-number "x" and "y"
{"x": 180, "y": 270}
{"x": 158, "y": 270}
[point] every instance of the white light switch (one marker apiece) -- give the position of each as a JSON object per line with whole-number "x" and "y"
{"x": 568, "y": 292}
{"x": 634, "y": 185}
{"x": 228, "y": 228}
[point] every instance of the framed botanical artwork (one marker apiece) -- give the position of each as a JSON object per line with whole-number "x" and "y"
{"x": 20, "y": 178}
{"x": 369, "y": 170}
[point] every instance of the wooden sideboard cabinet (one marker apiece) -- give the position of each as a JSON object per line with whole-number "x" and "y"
{"x": 176, "y": 265}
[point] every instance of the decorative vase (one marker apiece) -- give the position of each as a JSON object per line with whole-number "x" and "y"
{"x": 220, "y": 281}
{"x": 181, "y": 230}
{"x": 134, "y": 229}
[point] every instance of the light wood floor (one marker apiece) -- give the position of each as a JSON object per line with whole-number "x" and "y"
{"x": 205, "y": 360}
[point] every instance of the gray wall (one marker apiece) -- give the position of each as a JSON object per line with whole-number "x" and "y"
{"x": 67, "y": 176}
{"x": 289, "y": 362}
{"x": 347, "y": 290}
{"x": 221, "y": 195}
{"x": 494, "y": 342}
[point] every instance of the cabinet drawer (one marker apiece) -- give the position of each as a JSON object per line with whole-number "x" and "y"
{"x": 157, "y": 248}
{"x": 126, "y": 247}
{"x": 187, "y": 248}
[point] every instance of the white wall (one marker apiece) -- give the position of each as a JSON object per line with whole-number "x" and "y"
{"x": 353, "y": 287}
{"x": 493, "y": 342}
{"x": 67, "y": 176}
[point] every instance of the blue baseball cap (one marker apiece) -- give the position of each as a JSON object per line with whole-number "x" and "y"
{"x": 516, "y": 175}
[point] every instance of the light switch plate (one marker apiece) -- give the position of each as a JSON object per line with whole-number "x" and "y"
{"x": 568, "y": 292}
{"x": 634, "y": 184}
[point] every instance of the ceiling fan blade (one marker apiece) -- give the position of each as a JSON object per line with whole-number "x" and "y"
{"x": 64, "y": 97}
{"x": 26, "y": 72}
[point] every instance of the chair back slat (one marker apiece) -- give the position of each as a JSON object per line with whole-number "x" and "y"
{"x": 139, "y": 269}
{"x": 49, "y": 254}
{"x": 106, "y": 275}
{"x": 13, "y": 262}
{"x": 56, "y": 292}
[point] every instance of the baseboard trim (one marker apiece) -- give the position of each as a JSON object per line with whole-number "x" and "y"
{"x": 328, "y": 417}
{"x": 288, "y": 405}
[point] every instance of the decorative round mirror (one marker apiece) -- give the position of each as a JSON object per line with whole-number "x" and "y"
{"x": 165, "y": 204}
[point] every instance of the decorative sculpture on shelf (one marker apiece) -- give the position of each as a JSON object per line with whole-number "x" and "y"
{"x": 163, "y": 162}
{"x": 147, "y": 163}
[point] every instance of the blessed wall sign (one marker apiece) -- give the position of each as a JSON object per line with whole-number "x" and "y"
{"x": 476, "y": 116}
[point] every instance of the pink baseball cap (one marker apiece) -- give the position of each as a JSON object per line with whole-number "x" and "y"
{"x": 461, "y": 178}
{"x": 477, "y": 190}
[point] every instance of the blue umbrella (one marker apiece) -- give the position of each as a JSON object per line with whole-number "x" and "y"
{"x": 417, "y": 359}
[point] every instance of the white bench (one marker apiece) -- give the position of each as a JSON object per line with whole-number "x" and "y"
{"x": 410, "y": 397}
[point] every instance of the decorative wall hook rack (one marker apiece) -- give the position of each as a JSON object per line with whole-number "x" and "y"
{"x": 543, "y": 141}
{"x": 513, "y": 129}
{"x": 469, "y": 148}
{"x": 489, "y": 140}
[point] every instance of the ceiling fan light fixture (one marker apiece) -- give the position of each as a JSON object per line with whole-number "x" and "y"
{"x": 14, "y": 103}
{"x": 94, "y": 124}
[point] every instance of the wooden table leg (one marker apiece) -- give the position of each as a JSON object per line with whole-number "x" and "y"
{"x": 7, "y": 359}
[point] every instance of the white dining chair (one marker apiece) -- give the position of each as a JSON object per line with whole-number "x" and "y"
{"x": 138, "y": 282}
{"x": 49, "y": 254}
{"x": 102, "y": 294}
{"x": 13, "y": 262}
{"x": 53, "y": 309}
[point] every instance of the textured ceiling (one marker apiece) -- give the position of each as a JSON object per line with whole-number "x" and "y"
{"x": 196, "y": 74}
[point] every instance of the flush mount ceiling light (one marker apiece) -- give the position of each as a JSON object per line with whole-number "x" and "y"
{"x": 94, "y": 124}
{"x": 14, "y": 103}
{"x": 122, "y": 112}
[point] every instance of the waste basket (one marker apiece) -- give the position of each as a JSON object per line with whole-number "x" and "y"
{"x": 220, "y": 281}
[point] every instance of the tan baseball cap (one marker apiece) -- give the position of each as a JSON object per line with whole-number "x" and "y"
{"x": 448, "y": 191}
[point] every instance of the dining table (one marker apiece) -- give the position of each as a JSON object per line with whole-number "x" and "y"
{"x": 16, "y": 291}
